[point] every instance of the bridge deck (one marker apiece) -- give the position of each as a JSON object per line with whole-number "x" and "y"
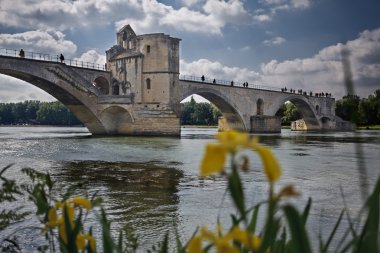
{"x": 246, "y": 85}
{"x": 226, "y": 83}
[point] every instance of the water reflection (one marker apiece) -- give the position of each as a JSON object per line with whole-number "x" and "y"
{"x": 142, "y": 196}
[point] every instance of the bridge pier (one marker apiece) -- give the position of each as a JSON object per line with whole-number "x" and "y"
{"x": 265, "y": 124}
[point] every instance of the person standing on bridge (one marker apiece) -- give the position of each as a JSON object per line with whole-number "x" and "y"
{"x": 62, "y": 58}
{"x": 22, "y": 53}
{"x": 203, "y": 78}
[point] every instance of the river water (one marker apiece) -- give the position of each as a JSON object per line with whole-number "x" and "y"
{"x": 151, "y": 184}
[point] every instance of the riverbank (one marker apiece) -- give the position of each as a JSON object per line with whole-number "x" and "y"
{"x": 375, "y": 127}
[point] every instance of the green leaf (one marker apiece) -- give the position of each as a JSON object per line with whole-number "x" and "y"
{"x": 236, "y": 190}
{"x": 180, "y": 248}
{"x": 368, "y": 241}
{"x": 306, "y": 211}
{"x": 300, "y": 241}
{"x": 325, "y": 247}
{"x": 108, "y": 245}
{"x": 270, "y": 233}
{"x": 165, "y": 244}
{"x": 252, "y": 224}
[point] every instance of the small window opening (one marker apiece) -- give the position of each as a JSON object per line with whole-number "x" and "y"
{"x": 148, "y": 84}
{"x": 148, "y": 49}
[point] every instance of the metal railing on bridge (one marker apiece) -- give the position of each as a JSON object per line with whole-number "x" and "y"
{"x": 227, "y": 83}
{"x": 50, "y": 58}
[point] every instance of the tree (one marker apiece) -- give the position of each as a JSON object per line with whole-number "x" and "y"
{"x": 290, "y": 113}
{"x": 194, "y": 113}
{"x": 348, "y": 108}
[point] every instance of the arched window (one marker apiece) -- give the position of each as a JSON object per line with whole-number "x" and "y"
{"x": 102, "y": 84}
{"x": 260, "y": 107}
{"x": 148, "y": 83}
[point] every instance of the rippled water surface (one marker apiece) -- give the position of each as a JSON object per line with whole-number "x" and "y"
{"x": 152, "y": 184}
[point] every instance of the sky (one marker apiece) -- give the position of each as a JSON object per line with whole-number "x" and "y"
{"x": 279, "y": 43}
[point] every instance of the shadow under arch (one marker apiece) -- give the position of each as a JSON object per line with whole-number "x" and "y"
{"x": 102, "y": 84}
{"x": 74, "y": 104}
{"x": 117, "y": 120}
{"x": 327, "y": 123}
{"x": 306, "y": 110}
{"x": 226, "y": 107}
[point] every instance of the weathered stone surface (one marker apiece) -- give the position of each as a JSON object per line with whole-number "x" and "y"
{"x": 265, "y": 124}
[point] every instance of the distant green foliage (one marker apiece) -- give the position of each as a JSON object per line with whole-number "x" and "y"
{"x": 288, "y": 113}
{"x": 199, "y": 114}
{"x": 365, "y": 111}
{"x": 36, "y": 112}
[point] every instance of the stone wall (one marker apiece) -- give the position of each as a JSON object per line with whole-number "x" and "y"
{"x": 265, "y": 124}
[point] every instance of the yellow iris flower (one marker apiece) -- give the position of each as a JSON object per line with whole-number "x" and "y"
{"x": 55, "y": 220}
{"x": 230, "y": 142}
{"x": 82, "y": 202}
{"x": 224, "y": 243}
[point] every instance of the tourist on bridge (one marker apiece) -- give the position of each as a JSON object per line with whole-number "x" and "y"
{"x": 22, "y": 53}
{"x": 203, "y": 78}
{"x": 214, "y": 81}
{"x": 62, "y": 58}
{"x": 232, "y": 83}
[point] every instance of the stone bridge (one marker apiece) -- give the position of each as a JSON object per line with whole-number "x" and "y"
{"x": 254, "y": 109}
{"x": 140, "y": 91}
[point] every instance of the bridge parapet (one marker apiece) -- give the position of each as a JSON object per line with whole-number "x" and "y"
{"x": 50, "y": 58}
{"x": 232, "y": 83}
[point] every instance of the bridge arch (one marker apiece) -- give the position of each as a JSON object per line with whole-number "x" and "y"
{"x": 223, "y": 103}
{"x": 62, "y": 83}
{"x": 116, "y": 120}
{"x": 102, "y": 84}
{"x": 308, "y": 113}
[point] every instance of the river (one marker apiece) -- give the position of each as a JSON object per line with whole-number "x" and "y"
{"x": 151, "y": 184}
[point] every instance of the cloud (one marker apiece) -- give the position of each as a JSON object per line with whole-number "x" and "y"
{"x": 271, "y": 7}
{"x": 274, "y": 41}
{"x": 63, "y": 15}
{"x": 92, "y": 56}
{"x": 217, "y": 70}
{"x": 52, "y": 42}
{"x": 245, "y": 49}
{"x": 286, "y": 4}
{"x": 323, "y": 72}
{"x": 319, "y": 73}
{"x": 15, "y": 90}
{"x": 217, "y": 14}
{"x": 143, "y": 15}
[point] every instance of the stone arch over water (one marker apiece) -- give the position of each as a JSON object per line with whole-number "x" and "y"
{"x": 227, "y": 107}
{"x": 307, "y": 111}
{"x": 116, "y": 120}
{"x": 54, "y": 79}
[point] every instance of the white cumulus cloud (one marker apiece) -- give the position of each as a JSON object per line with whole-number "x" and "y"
{"x": 215, "y": 69}
{"x": 49, "y": 42}
{"x": 92, "y": 56}
{"x": 274, "y": 41}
